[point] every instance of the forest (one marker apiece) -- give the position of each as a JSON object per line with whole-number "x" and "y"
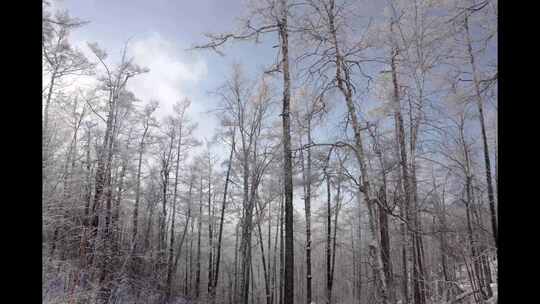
{"x": 359, "y": 167}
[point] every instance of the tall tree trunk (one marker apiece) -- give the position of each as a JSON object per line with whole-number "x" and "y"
{"x": 479, "y": 102}
{"x": 259, "y": 211}
{"x": 328, "y": 241}
{"x": 118, "y": 201}
{"x": 181, "y": 243}
{"x": 404, "y": 264}
{"x": 307, "y": 203}
{"x": 199, "y": 228}
{"x": 274, "y": 270}
{"x": 101, "y": 171}
{"x": 190, "y": 279}
{"x": 334, "y": 237}
{"x": 359, "y": 296}
{"x": 138, "y": 189}
{"x": 383, "y": 223}
{"x": 281, "y": 251}
{"x": 476, "y": 271}
{"x": 470, "y": 235}
{"x": 103, "y": 184}
{"x": 385, "y": 245}
{"x": 221, "y": 218}
{"x": 162, "y": 246}
{"x": 269, "y": 247}
{"x": 245, "y": 251}
{"x": 354, "y": 266}
{"x": 344, "y": 85}
{"x": 246, "y": 224}
{"x": 287, "y": 159}
{"x": 481, "y": 265}
{"x": 151, "y": 208}
{"x": 443, "y": 247}
{"x": 45, "y": 135}
{"x": 235, "y": 288}
{"x": 406, "y": 179}
{"x": 210, "y": 239}
{"x": 88, "y": 184}
{"x": 170, "y": 268}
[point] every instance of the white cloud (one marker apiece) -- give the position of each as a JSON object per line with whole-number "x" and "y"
{"x": 174, "y": 74}
{"x": 171, "y": 71}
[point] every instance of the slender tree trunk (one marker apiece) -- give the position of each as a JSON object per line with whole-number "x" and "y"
{"x": 307, "y": 202}
{"x": 222, "y": 216}
{"x": 48, "y": 102}
{"x": 88, "y": 190}
{"x": 269, "y": 247}
{"x": 235, "y": 289}
{"x": 162, "y": 224}
{"x": 151, "y": 208}
{"x": 100, "y": 177}
{"x": 138, "y": 190}
{"x": 480, "y": 263}
{"x": 359, "y": 296}
{"x": 199, "y": 228}
{"x": 334, "y": 237}
{"x": 470, "y": 235}
{"x": 246, "y": 224}
{"x": 245, "y": 250}
{"x": 385, "y": 246}
{"x": 252, "y": 278}
{"x": 355, "y": 267}
{"x": 443, "y": 246}
{"x": 45, "y": 135}
{"x": 118, "y": 201}
{"x": 261, "y": 242}
{"x": 230, "y": 288}
{"x": 405, "y": 274}
{"x": 170, "y": 268}
{"x": 281, "y": 252}
{"x": 189, "y": 280}
{"x": 181, "y": 243}
{"x": 274, "y": 270}
{"x": 162, "y": 245}
{"x": 328, "y": 241}
{"x": 479, "y": 101}
{"x": 210, "y": 237}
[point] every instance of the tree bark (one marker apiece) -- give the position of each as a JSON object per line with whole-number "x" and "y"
{"x": 287, "y": 159}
